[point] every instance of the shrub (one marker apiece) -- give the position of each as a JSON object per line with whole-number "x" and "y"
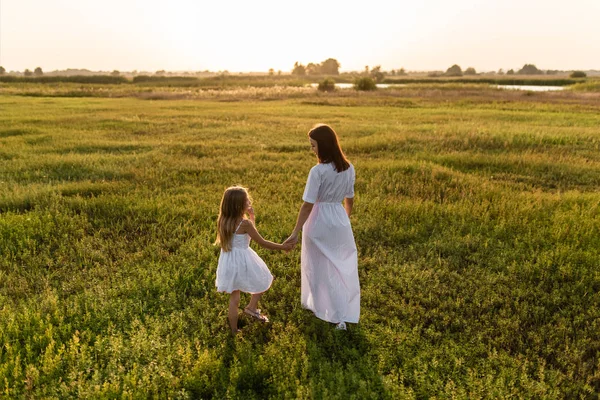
{"x": 365, "y": 83}
{"x": 327, "y": 85}
{"x": 578, "y": 74}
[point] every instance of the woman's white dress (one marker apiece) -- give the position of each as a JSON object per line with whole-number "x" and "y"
{"x": 241, "y": 268}
{"x": 329, "y": 261}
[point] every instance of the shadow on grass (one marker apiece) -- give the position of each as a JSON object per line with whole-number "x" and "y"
{"x": 341, "y": 363}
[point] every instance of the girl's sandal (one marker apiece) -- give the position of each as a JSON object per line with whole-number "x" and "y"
{"x": 256, "y": 314}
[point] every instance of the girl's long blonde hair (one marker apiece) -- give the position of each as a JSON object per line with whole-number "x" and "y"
{"x": 231, "y": 210}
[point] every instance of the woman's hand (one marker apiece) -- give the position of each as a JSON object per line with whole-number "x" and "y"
{"x": 293, "y": 239}
{"x": 288, "y": 246}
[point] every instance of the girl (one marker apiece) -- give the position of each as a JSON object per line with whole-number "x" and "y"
{"x": 240, "y": 269}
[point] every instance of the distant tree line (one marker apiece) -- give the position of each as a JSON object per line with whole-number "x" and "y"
{"x": 527, "y": 69}
{"x": 98, "y": 79}
{"x": 331, "y": 66}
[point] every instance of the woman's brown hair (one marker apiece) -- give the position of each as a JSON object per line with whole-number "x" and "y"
{"x": 328, "y": 147}
{"x": 230, "y": 211}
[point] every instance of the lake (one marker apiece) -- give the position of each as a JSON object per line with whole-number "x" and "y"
{"x": 351, "y": 85}
{"x": 530, "y": 88}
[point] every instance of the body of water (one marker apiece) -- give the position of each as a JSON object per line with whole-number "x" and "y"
{"x": 531, "y": 88}
{"x": 351, "y": 85}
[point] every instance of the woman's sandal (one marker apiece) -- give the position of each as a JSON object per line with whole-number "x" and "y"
{"x": 256, "y": 314}
{"x": 341, "y": 326}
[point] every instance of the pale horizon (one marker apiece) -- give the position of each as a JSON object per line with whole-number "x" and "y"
{"x": 188, "y": 35}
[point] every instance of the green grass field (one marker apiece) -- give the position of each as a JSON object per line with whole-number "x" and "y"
{"x": 477, "y": 219}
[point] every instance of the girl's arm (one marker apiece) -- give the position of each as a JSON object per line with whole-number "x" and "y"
{"x": 348, "y": 204}
{"x": 250, "y": 229}
{"x": 251, "y": 214}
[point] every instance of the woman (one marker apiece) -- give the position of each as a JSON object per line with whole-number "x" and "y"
{"x": 329, "y": 263}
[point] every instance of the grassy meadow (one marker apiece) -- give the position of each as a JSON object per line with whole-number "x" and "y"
{"x": 477, "y": 219}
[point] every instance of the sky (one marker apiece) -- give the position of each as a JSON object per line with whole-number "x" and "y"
{"x": 256, "y": 35}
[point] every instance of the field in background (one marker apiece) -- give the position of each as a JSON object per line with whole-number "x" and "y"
{"x": 228, "y": 81}
{"x": 477, "y": 221}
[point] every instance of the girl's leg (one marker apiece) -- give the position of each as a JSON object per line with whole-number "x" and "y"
{"x": 251, "y": 308}
{"x": 234, "y": 303}
{"x": 253, "y": 304}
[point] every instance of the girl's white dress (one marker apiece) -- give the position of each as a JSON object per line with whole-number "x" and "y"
{"x": 241, "y": 268}
{"x": 329, "y": 262}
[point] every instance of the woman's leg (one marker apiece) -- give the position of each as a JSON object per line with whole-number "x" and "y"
{"x": 234, "y": 303}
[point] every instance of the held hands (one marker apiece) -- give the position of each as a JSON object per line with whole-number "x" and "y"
{"x": 292, "y": 240}
{"x": 287, "y": 246}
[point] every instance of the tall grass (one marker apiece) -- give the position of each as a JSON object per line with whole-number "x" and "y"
{"x": 477, "y": 223}
{"x": 97, "y": 79}
{"x": 592, "y": 85}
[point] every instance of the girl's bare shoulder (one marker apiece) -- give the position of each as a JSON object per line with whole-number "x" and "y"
{"x": 245, "y": 226}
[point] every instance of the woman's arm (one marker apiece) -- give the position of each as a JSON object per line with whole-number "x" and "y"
{"x": 250, "y": 229}
{"x": 348, "y": 204}
{"x": 303, "y": 215}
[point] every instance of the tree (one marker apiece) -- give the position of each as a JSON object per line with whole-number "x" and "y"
{"x": 454, "y": 70}
{"x": 331, "y": 66}
{"x": 470, "y": 71}
{"x": 27, "y": 72}
{"x": 271, "y": 72}
{"x": 402, "y": 72}
{"x": 530, "y": 69}
{"x": 115, "y": 73}
{"x": 38, "y": 71}
{"x": 313, "y": 69}
{"x": 510, "y": 72}
{"x": 299, "y": 69}
{"x": 2, "y": 70}
{"x": 160, "y": 72}
{"x": 500, "y": 72}
{"x": 376, "y": 73}
{"x": 578, "y": 74}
